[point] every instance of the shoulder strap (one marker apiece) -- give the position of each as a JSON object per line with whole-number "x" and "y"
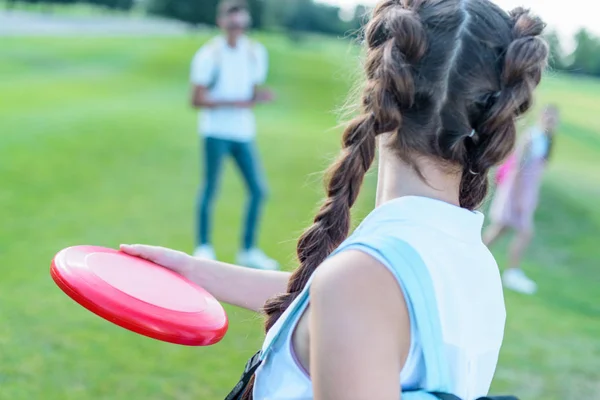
{"x": 252, "y": 51}
{"x": 412, "y": 274}
{"x": 217, "y": 56}
{"x": 445, "y": 396}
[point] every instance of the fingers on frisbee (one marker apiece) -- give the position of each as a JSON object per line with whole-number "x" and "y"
{"x": 130, "y": 249}
{"x": 150, "y": 253}
{"x": 139, "y": 250}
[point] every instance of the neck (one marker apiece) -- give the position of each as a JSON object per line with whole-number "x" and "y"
{"x": 232, "y": 40}
{"x": 398, "y": 179}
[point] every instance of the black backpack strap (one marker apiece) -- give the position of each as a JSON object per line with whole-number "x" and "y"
{"x": 447, "y": 396}
{"x": 499, "y": 398}
{"x": 251, "y": 367}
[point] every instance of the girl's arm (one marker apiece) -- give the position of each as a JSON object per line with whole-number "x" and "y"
{"x": 522, "y": 150}
{"x": 239, "y": 286}
{"x": 359, "y": 330}
{"x": 521, "y": 154}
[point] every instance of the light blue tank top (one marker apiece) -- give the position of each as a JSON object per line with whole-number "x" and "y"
{"x": 452, "y": 289}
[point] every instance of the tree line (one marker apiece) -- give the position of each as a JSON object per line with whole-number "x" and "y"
{"x": 118, "y": 5}
{"x": 584, "y": 59}
{"x": 297, "y": 17}
{"x": 294, "y": 16}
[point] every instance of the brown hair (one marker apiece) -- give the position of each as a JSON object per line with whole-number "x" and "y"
{"x": 447, "y": 79}
{"x": 227, "y": 7}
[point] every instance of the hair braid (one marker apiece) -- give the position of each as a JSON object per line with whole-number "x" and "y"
{"x": 394, "y": 35}
{"x": 436, "y": 70}
{"x": 524, "y": 63}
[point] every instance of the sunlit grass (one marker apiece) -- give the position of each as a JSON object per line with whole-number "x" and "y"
{"x": 98, "y": 146}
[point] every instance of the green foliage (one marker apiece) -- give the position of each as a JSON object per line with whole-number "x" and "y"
{"x": 123, "y": 5}
{"x": 201, "y": 12}
{"x": 194, "y": 12}
{"x": 301, "y": 16}
{"x": 556, "y": 60}
{"x": 295, "y": 16}
{"x": 586, "y": 57}
{"x": 120, "y": 5}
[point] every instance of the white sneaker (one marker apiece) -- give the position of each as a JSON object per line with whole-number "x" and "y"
{"x": 515, "y": 279}
{"x": 255, "y": 258}
{"x": 206, "y": 252}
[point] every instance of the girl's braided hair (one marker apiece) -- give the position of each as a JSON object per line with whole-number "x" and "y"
{"x": 447, "y": 80}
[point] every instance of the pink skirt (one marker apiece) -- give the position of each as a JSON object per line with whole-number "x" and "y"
{"x": 516, "y": 200}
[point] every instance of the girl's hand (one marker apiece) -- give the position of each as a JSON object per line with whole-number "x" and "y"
{"x": 176, "y": 261}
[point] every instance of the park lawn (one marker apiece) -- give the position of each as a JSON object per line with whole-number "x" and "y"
{"x": 98, "y": 146}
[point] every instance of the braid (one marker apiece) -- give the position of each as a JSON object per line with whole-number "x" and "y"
{"x": 433, "y": 75}
{"x": 524, "y": 63}
{"x": 394, "y": 36}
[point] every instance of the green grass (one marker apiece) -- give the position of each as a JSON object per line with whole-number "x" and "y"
{"x": 98, "y": 146}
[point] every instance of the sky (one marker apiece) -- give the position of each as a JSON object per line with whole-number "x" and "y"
{"x": 564, "y": 16}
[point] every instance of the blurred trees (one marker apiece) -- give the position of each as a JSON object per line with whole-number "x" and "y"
{"x": 298, "y": 17}
{"x": 123, "y": 5}
{"x": 556, "y": 60}
{"x": 303, "y": 16}
{"x": 193, "y": 12}
{"x": 120, "y": 5}
{"x": 201, "y": 12}
{"x": 584, "y": 59}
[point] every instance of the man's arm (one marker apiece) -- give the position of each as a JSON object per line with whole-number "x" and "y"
{"x": 200, "y": 99}
{"x": 262, "y": 94}
{"x": 204, "y": 68}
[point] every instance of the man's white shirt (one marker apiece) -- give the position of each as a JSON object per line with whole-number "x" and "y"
{"x": 231, "y": 74}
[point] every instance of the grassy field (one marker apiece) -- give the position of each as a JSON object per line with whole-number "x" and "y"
{"x": 98, "y": 146}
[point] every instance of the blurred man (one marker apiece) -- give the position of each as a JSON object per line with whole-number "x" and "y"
{"x": 516, "y": 198}
{"x": 226, "y": 74}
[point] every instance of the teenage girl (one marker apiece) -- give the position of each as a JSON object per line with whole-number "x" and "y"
{"x": 445, "y": 80}
{"x": 517, "y": 197}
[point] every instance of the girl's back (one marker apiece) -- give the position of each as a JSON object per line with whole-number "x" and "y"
{"x": 444, "y": 240}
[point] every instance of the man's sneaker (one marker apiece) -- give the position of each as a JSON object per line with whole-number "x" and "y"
{"x": 515, "y": 279}
{"x": 255, "y": 258}
{"x": 205, "y": 252}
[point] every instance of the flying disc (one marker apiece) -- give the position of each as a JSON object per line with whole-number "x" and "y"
{"x": 139, "y": 295}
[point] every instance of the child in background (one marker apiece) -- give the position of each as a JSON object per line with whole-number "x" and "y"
{"x": 517, "y": 195}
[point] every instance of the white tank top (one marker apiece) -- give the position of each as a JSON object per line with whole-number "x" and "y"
{"x": 466, "y": 288}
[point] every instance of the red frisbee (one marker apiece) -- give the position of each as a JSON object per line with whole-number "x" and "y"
{"x": 139, "y": 295}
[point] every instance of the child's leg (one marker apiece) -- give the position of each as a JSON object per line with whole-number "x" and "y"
{"x": 493, "y": 233}
{"x": 215, "y": 151}
{"x": 514, "y": 278}
{"x": 518, "y": 247}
